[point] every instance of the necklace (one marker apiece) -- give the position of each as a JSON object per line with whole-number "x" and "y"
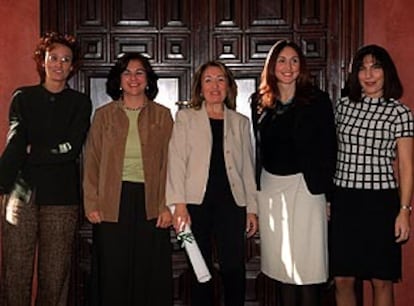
{"x": 132, "y": 108}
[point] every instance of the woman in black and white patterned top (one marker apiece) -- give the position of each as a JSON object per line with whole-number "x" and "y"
{"x": 370, "y": 213}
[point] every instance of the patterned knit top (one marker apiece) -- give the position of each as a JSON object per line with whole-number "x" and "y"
{"x": 367, "y": 135}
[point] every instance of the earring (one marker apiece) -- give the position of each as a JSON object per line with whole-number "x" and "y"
{"x": 147, "y": 87}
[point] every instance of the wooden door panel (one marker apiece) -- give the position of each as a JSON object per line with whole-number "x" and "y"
{"x": 228, "y": 48}
{"x": 179, "y": 35}
{"x": 259, "y": 44}
{"x": 176, "y": 14}
{"x": 94, "y": 48}
{"x": 175, "y": 49}
{"x": 128, "y": 14}
{"x": 264, "y": 13}
{"x": 91, "y": 15}
{"x": 145, "y": 43}
{"x": 312, "y": 13}
{"x": 226, "y": 14}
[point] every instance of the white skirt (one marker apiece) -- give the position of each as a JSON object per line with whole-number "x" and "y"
{"x": 293, "y": 230}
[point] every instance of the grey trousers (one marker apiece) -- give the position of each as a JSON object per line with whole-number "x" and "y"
{"x": 52, "y": 230}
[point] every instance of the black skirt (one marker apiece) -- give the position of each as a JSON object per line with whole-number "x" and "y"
{"x": 362, "y": 241}
{"x": 131, "y": 258}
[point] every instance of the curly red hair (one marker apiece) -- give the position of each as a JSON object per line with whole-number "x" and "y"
{"x": 47, "y": 43}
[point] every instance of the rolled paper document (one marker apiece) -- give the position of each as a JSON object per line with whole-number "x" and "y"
{"x": 197, "y": 261}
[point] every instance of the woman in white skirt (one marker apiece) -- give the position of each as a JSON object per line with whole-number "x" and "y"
{"x": 296, "y": 149}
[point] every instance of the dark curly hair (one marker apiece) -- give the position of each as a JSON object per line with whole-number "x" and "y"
{"x": 47, "y": 43}
{"x": 113, "y": 83}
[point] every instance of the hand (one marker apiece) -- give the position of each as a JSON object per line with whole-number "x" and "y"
{"x": 94, "y": 217}
{"x": 181, "y": 217}
{"x": 164, "y": 219}
{"x": 402, "y": 226}
{"x": 251, "y": 224}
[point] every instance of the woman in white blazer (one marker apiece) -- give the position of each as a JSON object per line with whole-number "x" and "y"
{"x": 210, "y": 179}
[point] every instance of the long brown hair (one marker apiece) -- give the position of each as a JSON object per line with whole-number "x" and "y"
{"x": 268, "y": 89}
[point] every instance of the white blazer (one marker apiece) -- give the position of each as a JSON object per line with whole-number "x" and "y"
{"x": 189, "y": 158}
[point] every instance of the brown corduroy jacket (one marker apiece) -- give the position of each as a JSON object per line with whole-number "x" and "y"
{"x": 104, "y": 157}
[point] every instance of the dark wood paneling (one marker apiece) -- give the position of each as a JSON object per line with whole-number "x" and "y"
{"x": 312, "y": 13}
{"x": 260, "y": 44}
{"x": 91, "y": 15}
{"x": 175, "y": 48}
{"x": 227, "y": 14}
{"x": 94, "y": 48}
{"x": 278, "y": 14}
{"x": 175, "y": 15}
{"x": 128, "y": 14}
{"x": 147, "y": 44}
{"x": 228, "y": 48}
{"x": 57, "y": 15}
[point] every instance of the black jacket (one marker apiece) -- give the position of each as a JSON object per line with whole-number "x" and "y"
{"x": 54, "y": 125}
{"x": 314, "y": 138}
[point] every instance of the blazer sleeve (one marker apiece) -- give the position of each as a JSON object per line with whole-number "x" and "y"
{"x": 332, "y": 147}
{"x": 15, "y": 152}
{"x": 327, "y": 143}
{"x": 167, "y": 130}
{"x": 177, "y": 157}
{"x": 248, "y": 168}
{"x": 92, "y": 161}
{"x": 254, "y": 101}
{"x": 315, "y": 141}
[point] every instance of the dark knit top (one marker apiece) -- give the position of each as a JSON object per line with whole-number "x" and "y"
{"x": 278, "y": 144}
{"x": 218, "y": 185}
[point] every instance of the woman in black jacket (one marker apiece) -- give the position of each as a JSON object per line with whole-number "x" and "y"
{"x": 296, "y": 148}
{"x": 39, "y": 170}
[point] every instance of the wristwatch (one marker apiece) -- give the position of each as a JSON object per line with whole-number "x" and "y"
{"x": 407, "y": 207}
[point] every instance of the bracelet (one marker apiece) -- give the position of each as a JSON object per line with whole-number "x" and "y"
{"x": 407, "y": 207}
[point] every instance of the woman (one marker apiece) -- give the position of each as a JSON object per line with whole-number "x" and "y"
{"x": 296, "y": 149}
{"x": 48, "y": 125}
{"x": 370, "y": 211}
{"x": 211, "y": 179}
{"x": 124, "y": 188}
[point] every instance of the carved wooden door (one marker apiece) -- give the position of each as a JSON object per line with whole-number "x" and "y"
{"x": 178, "y": 36}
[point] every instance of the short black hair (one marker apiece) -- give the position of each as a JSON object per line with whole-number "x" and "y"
{"x": 392, "y": 85}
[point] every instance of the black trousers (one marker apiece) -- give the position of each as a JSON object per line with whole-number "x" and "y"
{"x": 132, "y": 258}
{"x": 224, "y": 223}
